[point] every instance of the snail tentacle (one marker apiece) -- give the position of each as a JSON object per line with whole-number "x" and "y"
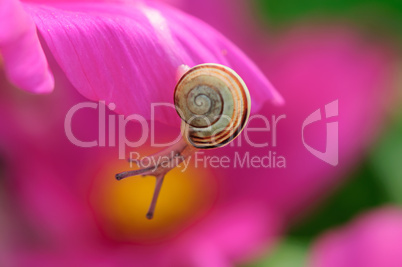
{"x": 158, "y": 186}
{"x": 179, "y": 151}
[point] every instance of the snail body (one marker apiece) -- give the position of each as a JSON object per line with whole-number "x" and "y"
{"x": 214, "y": 104}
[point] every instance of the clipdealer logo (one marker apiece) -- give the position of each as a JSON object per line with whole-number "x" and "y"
{"x": 270, "y": 159}
{"x": 331, "y": 153}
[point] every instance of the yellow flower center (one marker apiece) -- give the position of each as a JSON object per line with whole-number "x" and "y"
{"x": 120, "y": 206}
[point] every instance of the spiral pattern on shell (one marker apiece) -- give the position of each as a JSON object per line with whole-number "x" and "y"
{"x": 214, "y": 104}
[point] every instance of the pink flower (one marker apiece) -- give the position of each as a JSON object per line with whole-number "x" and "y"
{"x": 373, "y": 239}
{"x": 314, "y": 67}
{"x": 80, "y": 215}
{"x": 146, "y": 41}
{"x": 126, "y": 54}
{"x": 24, "y": 60}
{"x": 236, "y": 19}
{"x": 67, "y": 194}
{"x": 311, "y": 66}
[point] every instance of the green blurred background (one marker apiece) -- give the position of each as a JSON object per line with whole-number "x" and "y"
{"x": 384, "y": 18}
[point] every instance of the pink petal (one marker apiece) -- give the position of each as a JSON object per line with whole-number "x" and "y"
{"x": 373, "y": 240}
{"x": 236, "y": 19}
{"x": 233, "y": 233}
{"x": 129, "y": 54}
{"x": 24, "y": 60}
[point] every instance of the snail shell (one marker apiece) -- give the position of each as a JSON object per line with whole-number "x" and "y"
{"x": 214, "y": 104}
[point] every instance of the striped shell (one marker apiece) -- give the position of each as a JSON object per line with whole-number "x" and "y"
{"x": 214, "y": 104}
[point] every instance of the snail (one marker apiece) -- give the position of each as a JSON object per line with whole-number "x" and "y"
{"x": 214, "y": 104}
